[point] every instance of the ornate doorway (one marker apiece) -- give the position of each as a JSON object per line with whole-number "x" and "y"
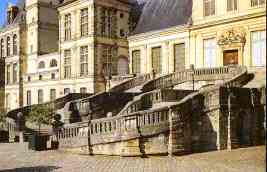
{"x": 230, "y": 57}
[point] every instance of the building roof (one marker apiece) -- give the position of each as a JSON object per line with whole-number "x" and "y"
{"x": 162, "y": 14}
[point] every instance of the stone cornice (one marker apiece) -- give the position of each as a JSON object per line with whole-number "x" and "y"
{"x": 159, "y": 33}
{"x": 228, "y": 20}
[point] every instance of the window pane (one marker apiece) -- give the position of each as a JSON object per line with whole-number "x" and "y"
{"x": 179, "y": 57}
{"x": 209, "y": 7}
{"x": 209, "y": 53}
{"x": 258, "y": 48}
{"x": 40, "y": 96}
{"x": 156, "y": 59}
{"x": 136, "y": 61}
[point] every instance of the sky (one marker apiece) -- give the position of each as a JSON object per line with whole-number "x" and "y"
{"x": 3, "y": 4}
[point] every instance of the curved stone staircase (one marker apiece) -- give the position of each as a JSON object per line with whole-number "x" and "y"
{"x": 157, "y": 113}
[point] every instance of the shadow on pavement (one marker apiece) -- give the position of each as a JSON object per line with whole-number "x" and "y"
{"x": 32, "y": 169}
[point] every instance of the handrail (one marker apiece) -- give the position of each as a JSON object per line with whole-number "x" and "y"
{"x": 131, "y": 83}
{"x": 57, "y": 104}
{"x": 188, "y": 75}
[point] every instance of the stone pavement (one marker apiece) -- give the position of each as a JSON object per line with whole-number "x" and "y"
{"x": 16, "y": 158}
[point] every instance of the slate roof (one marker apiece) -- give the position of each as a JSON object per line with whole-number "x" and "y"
{"x": 162, "y": 14}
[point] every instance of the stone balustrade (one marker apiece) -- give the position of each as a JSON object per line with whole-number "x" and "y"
{"x": 139, "y": 80}
{"x": 203, "y": 74}
{"x": 73, "y": 135}
{"x": 146, "y": 100}
{"x": 57, "y": 104}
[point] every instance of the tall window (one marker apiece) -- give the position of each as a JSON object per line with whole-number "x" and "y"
{"x": 8, "y": 46}
{"x": 209, "y": 7}
{"x": 52, "y": 94}
{"x": 156, "y": 59}
{"x": 109, "y": 55}
{"x": 108, "y": 22}
{"x": 15, "y": 45}
{"x": 258, "y": 42}
{"x": 83, "y": 90}
{"x": 231, "y": 5}
{"x": 84, "y": 60}
{"x": 40, "y": 96}
{"x": 179, "y": 57}
{"x": 2, "y": 48}
{"x": 15, "y": 72}
{"x": 84, "y": 22}
{"x": 255, "y": 3}
{"x": 8, "y": 73}
{"x": 67, "y": 64}
{"x": 67, "y": 25}
{"x": 210, "y": 52}
{"x": 136, "y": 61}
{"x": 29, "y": 98}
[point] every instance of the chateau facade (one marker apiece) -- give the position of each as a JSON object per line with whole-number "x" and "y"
{"x": 52, "y": 48}
{"x": 215, "y": 33}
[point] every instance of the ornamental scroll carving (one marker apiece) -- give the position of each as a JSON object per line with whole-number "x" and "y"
{"x": 232, "y": 36}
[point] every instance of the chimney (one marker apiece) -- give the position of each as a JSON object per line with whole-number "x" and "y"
{"x": 12, "y": 12}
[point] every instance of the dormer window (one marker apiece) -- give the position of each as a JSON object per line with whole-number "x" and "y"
{"x": 41, "y": 65}
{"x": 53, "y": 63}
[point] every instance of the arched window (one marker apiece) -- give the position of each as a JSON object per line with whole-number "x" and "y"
{"x": 15, "y": 45}
{"x": 8, "y": 46}
{"x": 41, "y": 65}
{"x": 2, "y": 48}
{"x": 53, "y": 63}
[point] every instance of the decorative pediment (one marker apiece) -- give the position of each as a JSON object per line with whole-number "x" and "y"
{"x": 232, "y": 36}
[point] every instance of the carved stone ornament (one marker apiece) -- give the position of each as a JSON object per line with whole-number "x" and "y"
{"x": 232, "y": 36}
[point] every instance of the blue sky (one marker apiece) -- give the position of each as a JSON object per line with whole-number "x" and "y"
{"x": 3, "y": 4}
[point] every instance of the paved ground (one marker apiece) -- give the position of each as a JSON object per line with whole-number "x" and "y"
{"x": 16, "y": 158}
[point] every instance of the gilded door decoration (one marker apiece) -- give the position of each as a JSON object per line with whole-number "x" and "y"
{"x": 232, "y": 36}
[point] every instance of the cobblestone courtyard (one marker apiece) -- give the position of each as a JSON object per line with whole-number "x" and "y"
{"x": 16, "y": 157}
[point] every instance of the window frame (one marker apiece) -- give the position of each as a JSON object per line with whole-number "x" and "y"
{"x": 204, "y": 9}
{"x": 258, "y": 42}
{"x": 209, "y": 50}
{"x": 40, "y": 96}
{"x": 234, "y": 5}
{"x": 53, "y": 94}
{"x": 15, "y": 45}
{"x": 2, "y": 47}
{"x": 84, "y": 22}
{"x": 29, "y": 98}
{"x": 67, "y": 27}
{"x": 41, "y": 65}
{"x": 8, "y": 46}
{"x": 67, "y": 63}
{"x": 136, "y": 63}
{"x": 258, "y": 3}
{"x": 158, "y": 63}
{"x": 15, "y": 72}
{"x": 84, "y": 61}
